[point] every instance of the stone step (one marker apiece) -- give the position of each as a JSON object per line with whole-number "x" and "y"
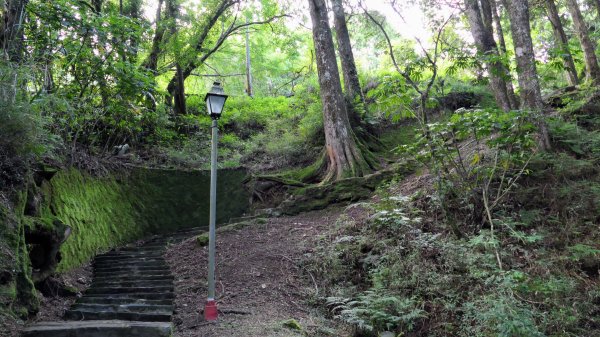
{"x": 134, "y": 307}
{"x": 80, "y": 315}
{"x": 131, "y": 269}
{"x": 130, "y": 253}
{"x": 121, "y": 300}
{"x": 127, "y": 290}
{"x": 98, "y": 329}
{"x": 126, "y": 257}
{"x": 131, "y": 275}
{"x": 134, "y": 283}
{"x": 134, "y": 296}
{"x": 131, "y": 278}
{"x": 145, "y": 249}
{"x": 130, "y": 263}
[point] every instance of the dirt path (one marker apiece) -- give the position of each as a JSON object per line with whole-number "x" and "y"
{"x": 259, "y": 283}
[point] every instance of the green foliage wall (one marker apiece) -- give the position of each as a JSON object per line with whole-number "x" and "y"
{"x": 105, "y": 212}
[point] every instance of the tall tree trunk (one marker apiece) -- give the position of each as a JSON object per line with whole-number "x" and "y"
{"x": 592, "y": 69}
{"x": 596, "y": 5}
{"x": 562, "y": 42}
{"x": 176, "y": 89}
{"x": 151, "y": 62}
{"x": 514, "y": 102}
{"x": 97, "y": 4}
{"x": 249, "y": 90}
{"x": 11, "y": 29}
{"x": 499, "y": 29}
{"x": 531, "y": 95}
{"x": 343, "y": 153}
{"x": 351, "y": 82}
{"x": 486, "y": 45}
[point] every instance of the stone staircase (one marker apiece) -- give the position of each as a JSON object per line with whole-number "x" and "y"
{"x": 131, "y": 294}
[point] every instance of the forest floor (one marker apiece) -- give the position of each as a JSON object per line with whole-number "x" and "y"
{"x": 261, "y": 290}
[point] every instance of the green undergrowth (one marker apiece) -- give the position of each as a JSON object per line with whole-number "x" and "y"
{"x": 397, "y": 264}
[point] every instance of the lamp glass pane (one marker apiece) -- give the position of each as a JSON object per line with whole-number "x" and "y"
{"x": 217, "y": 103}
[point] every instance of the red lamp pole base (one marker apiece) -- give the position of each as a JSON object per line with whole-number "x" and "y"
{"x": 210, "y": 310}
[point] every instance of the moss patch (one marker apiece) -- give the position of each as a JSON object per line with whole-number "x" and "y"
{"x": 292, "y": 324}
{"x": 110, "y": 211}
{"x": 348, "y": 190}
{"x": 17, "y": 292}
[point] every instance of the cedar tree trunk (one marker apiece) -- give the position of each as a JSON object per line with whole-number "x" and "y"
{"x": 592, "y": 70}
{"x": 562, "y": 42}
{"x": 351, "y": 83}
{"x": 514, "y": 102}
{"x": 11, "y": 33}
{"x": 342, "y": 149}
{"x": 486, "y": 45}
{"x": 531, "y": 95}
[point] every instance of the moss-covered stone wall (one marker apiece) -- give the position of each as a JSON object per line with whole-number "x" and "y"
{"x": 17, "y": 293}
{"x": 110, "y": 211}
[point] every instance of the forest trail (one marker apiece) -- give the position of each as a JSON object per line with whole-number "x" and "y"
{"x": 159, "y": 287}
{"x": 261, "y": 288}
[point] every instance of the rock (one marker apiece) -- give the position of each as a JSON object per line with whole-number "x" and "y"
{"x": 559, "y": 98}
{"x": 121, "y": 150}
{"x": 45, "y": 236}
{"x": 292, "y": 324}
{"x": 202, "y": 240}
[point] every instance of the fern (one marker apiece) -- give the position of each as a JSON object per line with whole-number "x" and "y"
{"x": 376, "y": 310}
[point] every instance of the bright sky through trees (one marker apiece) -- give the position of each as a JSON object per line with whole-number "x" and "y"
{"x": 412, "y": 23}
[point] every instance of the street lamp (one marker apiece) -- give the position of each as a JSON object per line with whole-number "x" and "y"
{"x": 215, "y": 100}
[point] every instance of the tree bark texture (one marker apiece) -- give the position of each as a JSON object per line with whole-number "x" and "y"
{"x": 97, "y": 4}
{"x": 592, "y": 69}
{"x": 349, "y": 72}
{"x": 486, "y": 45}
{"x": 499, "y": 28}
{"x": 562, "y": 42}
{"x": 344, "y": 156}
{"x": 151, "y": 62}
{"x": 514, "y": 101}
{"x": 249, "y": 89}
{"x": 177, "y": 91}
{"x": 11, "y": 34}
{"x": 531, "y": 95}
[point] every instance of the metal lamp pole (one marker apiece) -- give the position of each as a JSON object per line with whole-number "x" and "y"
{"x": 215, "y": 100}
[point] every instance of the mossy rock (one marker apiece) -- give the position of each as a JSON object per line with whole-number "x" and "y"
{"x": 202, "y": 239}
{"x": 17, "y": 291}
{"x": 343, "y": 191}
{"x": 579, "y": 104}
{"x": 292, "y": 324}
